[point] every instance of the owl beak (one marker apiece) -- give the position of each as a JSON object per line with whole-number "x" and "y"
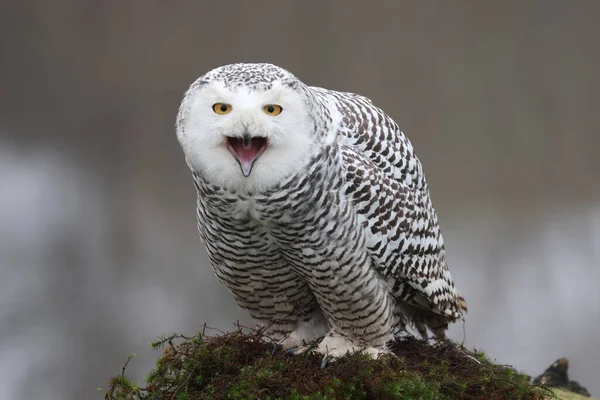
{"x": 246, "y": 150}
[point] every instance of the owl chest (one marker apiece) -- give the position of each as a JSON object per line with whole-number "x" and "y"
{"x": 265, "y": 212}
{"x": 291, "y": 225}
{"x": 254, "y": 229}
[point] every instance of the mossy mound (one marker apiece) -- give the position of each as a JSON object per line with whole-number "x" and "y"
{"x": 240, "y": 366}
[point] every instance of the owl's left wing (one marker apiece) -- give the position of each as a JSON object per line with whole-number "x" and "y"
{"x": 386, "y": 181}
{"x": 403, "y": 238}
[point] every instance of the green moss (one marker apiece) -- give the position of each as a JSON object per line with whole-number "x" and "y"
{"x": 565, "y": 395}
{"x": 239, "y": 366}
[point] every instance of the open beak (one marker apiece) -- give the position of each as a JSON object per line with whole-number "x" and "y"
{"x": 246, "y": 150}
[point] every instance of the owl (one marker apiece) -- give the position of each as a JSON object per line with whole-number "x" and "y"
{"x": 314, "y": 211}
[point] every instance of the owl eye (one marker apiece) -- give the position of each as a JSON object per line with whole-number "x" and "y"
{"x": 272, "y": 109}
{"x": 221, "y": 108}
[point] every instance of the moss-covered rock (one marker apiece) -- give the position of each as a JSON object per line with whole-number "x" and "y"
{"x": 568, "y": 395}
{"x": 557, "y": 376}
{"x": 240, "y": 366}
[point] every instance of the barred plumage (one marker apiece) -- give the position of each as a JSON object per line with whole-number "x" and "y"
{"x": 332, "y": 231}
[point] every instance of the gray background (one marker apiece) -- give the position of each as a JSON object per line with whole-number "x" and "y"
{"x": 98, "y": 246}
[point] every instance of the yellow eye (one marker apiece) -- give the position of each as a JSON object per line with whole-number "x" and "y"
{"x": 222, "y": 108}
{"x": 273, "y": 109}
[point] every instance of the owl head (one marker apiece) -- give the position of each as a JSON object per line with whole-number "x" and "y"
{"x": 247, "y": 127}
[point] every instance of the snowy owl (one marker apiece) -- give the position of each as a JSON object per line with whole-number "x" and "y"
{"x": 314, "y": 211}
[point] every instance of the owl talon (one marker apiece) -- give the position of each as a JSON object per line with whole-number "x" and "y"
{"x": 325, "y": 361}
{"x": 291, "y": 350}
{"x": 278, "y": 347}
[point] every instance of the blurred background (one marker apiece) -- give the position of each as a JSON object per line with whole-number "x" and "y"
{"x": 98, "y": 246}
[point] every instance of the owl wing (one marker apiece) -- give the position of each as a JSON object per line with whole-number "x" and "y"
{"x": 386, "y": 182}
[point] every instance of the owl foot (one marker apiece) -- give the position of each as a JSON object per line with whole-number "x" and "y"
{"x": 293, "y": 348}
{"x": 301, "y": 349}
{"x": 289, "y": 350}
{"x": 334, "y": 346}
{"x": 297, "y": 341}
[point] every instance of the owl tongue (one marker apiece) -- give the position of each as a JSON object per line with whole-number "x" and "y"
{"x": 246, "y": 150}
